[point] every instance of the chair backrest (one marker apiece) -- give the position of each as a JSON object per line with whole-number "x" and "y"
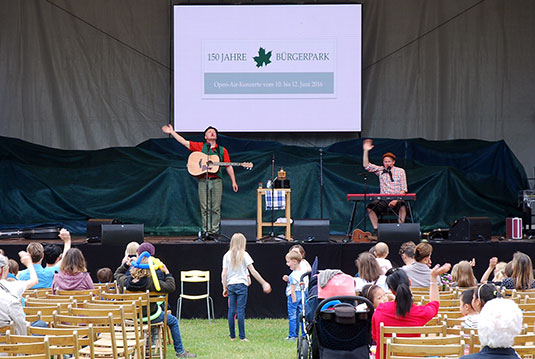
{"x": 525, "y": 351}
{"x": 5, "y": 328}
{"x": 396, "y": 350}
{"x": 81, "y": 297}
{"x": 195, "y": 276}
{"x": 40, "y": 350}
{"x": 104, "y": 324}
{"x": 79, "y": 292}
{"x": 385, "y": 331}
{"x": 59, "y": 344}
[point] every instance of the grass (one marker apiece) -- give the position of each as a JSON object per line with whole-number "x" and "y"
{"x": 266, "y": 339}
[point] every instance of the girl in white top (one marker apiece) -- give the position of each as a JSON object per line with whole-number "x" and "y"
{"x": 237, "y": 264}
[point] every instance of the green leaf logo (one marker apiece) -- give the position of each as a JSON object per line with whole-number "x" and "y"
{"x": 263, "y": 58}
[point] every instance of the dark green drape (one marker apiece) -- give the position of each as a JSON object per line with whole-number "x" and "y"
{"x": 150, "y": 184}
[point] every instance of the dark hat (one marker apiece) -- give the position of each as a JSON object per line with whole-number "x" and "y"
{"x": 211, "y": 127}
{"x": 146, "y": 247}
{"x": 389, "y": 154}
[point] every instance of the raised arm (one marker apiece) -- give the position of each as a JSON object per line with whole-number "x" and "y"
{"x": 367, "y": 146}
{"x": 170, "y": 131}
{"x": 66, "y": 238}
{"x": 266, "y": 287}
{"x": 26, "y": 259}
{"x": 433, "y": 286}
{"x": 492, "y": 264}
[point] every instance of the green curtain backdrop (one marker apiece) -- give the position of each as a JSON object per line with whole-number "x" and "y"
{"x": 150, "y": 184}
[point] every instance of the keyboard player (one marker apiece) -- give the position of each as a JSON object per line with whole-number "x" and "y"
{"x": 392, "y": 180}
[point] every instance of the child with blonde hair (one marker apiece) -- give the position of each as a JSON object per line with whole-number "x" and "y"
{"x": 293, "y": 293}
{"x": 237, "y": 264}
{"x": 381, "y": 252}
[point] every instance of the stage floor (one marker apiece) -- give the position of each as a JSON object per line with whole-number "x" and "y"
{"x": 185, "y": 253}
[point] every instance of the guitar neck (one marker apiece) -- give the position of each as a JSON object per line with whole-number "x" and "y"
{"x": 225, "y": 163}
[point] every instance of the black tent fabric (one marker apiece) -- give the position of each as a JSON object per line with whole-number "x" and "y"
{"x": 150, "y": 184}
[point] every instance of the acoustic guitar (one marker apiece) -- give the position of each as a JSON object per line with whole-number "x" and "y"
{"x": 359, "y": 236}
{"x": 199, "y": 163}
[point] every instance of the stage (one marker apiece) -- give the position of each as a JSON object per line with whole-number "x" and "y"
{"x": 185, "y": 253}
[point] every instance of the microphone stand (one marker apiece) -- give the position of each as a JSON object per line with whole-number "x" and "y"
{"x": 321, "y": 183}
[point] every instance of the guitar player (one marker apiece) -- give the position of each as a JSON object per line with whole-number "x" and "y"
{"x": 392, "y": 180}
{"x": 210, "y": 209}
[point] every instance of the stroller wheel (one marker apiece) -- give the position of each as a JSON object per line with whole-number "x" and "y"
{"x": 303, "y": 348}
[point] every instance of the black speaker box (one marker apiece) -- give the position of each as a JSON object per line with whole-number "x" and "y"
{"x": 398, "y": 232}
{"x": 94, "y": 229}
{"x": 471, "y": 229}
{"x": 122, "y": 234}
{"x": 245, "y": 226}
{"x": 311, "y": 230}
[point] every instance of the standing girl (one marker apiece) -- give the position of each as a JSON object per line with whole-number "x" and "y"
{"x": 237, "y": 264}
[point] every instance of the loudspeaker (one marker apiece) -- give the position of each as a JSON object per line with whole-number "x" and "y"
{"x": 245, "y": 226}
{"x": 398, "y": 232}
{"x": 122, "y": 234}
{"x": 471, "y": 229}
{"x": 94, "y": 229}
{"x": 311, "y": 230}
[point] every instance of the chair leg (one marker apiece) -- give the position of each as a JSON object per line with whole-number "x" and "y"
{"x": 208, "y": 309}
{"x": 179, "y": 308}
{"x": 212, "y": 307}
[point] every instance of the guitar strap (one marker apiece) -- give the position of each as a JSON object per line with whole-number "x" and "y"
{"x": 219, "y": 153}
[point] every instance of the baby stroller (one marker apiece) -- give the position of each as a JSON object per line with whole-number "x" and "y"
{"x": 340, "y": 326}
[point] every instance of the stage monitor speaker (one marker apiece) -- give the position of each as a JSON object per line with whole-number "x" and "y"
{"x": 122, "y": 234}
{"x": 311, "y": 230}
{"x": 398, "y": 233}
{"x": 94, "y": 227}
{"x": 471, "y": 229}
{"x": 245, "y": 226}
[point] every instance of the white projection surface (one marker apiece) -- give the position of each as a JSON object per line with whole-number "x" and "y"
{"x": 267, "y": 68}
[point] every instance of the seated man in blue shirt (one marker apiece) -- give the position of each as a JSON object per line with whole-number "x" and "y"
{"x": 36, "y": 251}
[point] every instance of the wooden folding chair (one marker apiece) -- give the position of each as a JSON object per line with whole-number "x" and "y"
{"x": 85, "y": 335}
{"x": 395, "y": 350}
{"x": 98, "y": 325}
{"x": 39, "y": 350}
{"x": 59, "y": 345}
{"x": 384, "y": 331}
{"x": 123, "y": 315}
{"x": 525, "y": 351}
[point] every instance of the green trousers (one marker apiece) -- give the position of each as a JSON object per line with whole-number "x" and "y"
{"x": 211, "y": 204}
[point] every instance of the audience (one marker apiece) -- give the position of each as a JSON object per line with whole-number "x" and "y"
{"x": 497, "y": 269}
{"x": 105, "y": 275}
{"x": 522, "y": 277}
{"x": 13, "y": 270}
{"x": 419, "y": 271}
{"x": 237, "y": 264}
{"x": 11, "y": 310}
{"x": 482, "y": 295}
{"x": 369, "y": 272}
{"x": 406, "y": 251}
{"x": 499, "y": 323}
{"x": 402, "y": 311}
{"x": 52, "y": 254}
{"x": 73, "y": 273}
{"x": 465, "y": 303}
{"x": 463, "y": 275}
{"x": 37, "y": 252}
{"x": 381, "y": 252}
{"x": 140, "y": 280}
{"x": 376, "y": 294}
{"x": 294, "y": 293}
